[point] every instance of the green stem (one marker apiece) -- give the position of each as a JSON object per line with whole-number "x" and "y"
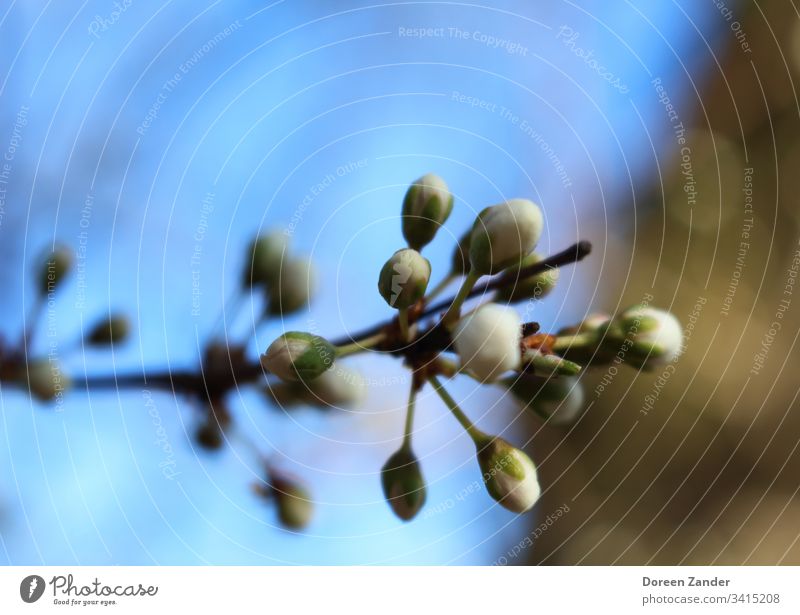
{"x": 359, "y": 345}
{"x": 402, "y": 319}
{"x": 476, "y": 434}
{"x": 412, "y": 399}
{"x": 454, "y": 311}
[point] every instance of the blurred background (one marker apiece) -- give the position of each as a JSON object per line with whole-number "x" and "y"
{"x": 157, "y": 138}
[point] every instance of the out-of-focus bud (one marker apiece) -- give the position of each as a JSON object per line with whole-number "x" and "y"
{"x": 533, "y": 287}
{"x": 293, "y": 289}
{"x": 504, "y": 234}
{"x": 488, "y": 341}
{"x": 45, "y": 379}
{"x": 339, "y": 387}
{"x": 55, "y": 268}
{"x": 403, "y": 484}
{"x": 592, "y": 323}
{"x": 293, "y": 500}
{"x": 459, "y": 264}
{"x": 426, "y": 207}
{"x": 508, "y": 473}
{"x": 404, "y": 278}
{"x": 265, "y": 257}
{"x": 209, "y": 435}
{"x": 111, "y": 330}
{"x": 298, "y": 356}
{"x": 559, "y": 400}
{"x": 648, "y": 336}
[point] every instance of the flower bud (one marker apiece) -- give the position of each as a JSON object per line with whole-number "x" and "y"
{"x": 265, "y": 256}
{"x": 403, "y": 484}
{"x": 559, "y": 400}
{"x": 536, "y": 286}
{"x": 404, "y": 278}
{"x": 591, "y": 324}
{"x": 209, "y": 435}
{"x": 298, "y": 356}
{"x": 654, "y": 336}
{"x": 504, "y": 234}
{"x": 111, "y": 330}
{"x": 293, "y": 501}
{"x": 56, "y": 267}
{"x": 338, "y": 387}
{"x": 293, "y": 288}
{"x": 46, "y": 380}
{"x": 508, "y": 473}
{"x": 459, "y": 264}
{"x": 488, "y": 341}
{"x": 426, "y": 207}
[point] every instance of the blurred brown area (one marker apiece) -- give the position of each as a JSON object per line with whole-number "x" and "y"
{"x": 701, "y": 465}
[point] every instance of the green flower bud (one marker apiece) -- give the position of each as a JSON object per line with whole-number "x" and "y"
{"x": 293, "y": 500}
{"x": 45, "y": 379}
{"x": 111, "y": 330}
{"x": 298, "y": 356}
{"x": 293, "y": 289}
{"x": 533, "y": 287}
{"x": 647, "y": 336}
{"x": 56, "y": 267}
{"x": 508, "y": 473}
{"x": 460, "y": 260}
{"x": 426, "y": 207}
{"x": 559, "y": 400}
{"x": 404, "y": 278}
{"x": 403, "y": 484}
{"x": 265, "y": 257}
{"x": 504, "y": 234}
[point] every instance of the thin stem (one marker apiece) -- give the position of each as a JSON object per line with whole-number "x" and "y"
{"x": 30, "y": 326}
{"x": 231, "y": 306}
{"x": 476, "y": 434}
{"x": 440, "y": 287}
{"x": 454, "y": 311}
{"x": 361, "y": 345}
{"x": 402, "y": 319}
{"x": 412, "y": 403}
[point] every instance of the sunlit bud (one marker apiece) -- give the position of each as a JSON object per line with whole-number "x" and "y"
{"x": 560, "y": 400}
{"x": 403, "y": 484}
{"x": 55, "y": 268}
{"x": 111, "y": 330}
{"x": 426, "y": 207}
{"x": 504, "y": 234}
{"x": 654, "y": 336}
{"x": 298, "y": 356}
{"x": 293, "y": 501}
{"x": 265, "y": 256}
{"x": 488, "y": 341}
{"x": 460, "y": 260}
{"x": 536, "y": 286}
{"x": 45, "y": 379}
{"x": 508, "y": 473}
{"x": 404, "y": 278}
{"x": 294, "y": 287}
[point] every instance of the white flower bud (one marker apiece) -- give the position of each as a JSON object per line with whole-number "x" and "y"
{"x": 533, "y": 287}
{"x": 298, "y": 356}
{"x": 403, "y": 484}
{"x": 488, "y": 341}
{"x": 655, "y": 336}
{"x": 265, "y": 257}
{"x": 509, "y": 474}
{"x": 504, "y": 234}
{"x": 338, "y": 387}
{"x": 293, "y": 289}
{"x": 560, "y": 400}
{"x": 426, "y": 207}
{"x": 404, "y": 278}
